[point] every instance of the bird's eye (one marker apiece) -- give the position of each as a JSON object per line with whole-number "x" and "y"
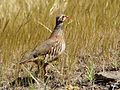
{"x": 63, "y": 17}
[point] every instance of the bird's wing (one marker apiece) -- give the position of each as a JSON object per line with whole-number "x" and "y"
{"x": 44, "y": 47}
{"x": 41, "y": 49}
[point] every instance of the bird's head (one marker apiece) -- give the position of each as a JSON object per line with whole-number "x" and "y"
{"x": 61, "y": 19}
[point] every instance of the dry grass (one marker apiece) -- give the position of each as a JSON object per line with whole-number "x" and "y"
{"x": 93, "y": 29}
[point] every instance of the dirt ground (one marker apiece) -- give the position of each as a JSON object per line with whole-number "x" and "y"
{"x": 107, "y": 79}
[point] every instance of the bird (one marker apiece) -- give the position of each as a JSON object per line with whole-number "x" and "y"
{"x": 50, "y": 49}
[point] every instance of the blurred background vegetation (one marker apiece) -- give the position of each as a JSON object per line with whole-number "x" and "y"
{"x": 93, "y": 29}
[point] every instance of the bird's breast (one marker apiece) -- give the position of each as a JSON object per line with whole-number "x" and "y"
{"x": 63, "y": 47}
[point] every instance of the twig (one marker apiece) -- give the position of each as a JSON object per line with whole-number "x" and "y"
{"x": 31, "y": 74}
{"x": 45, "y": 26}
